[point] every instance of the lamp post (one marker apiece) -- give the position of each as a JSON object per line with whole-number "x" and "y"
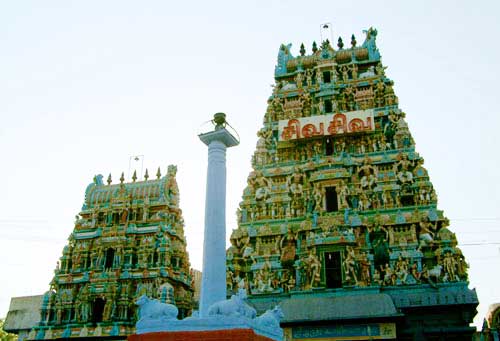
{"x": 213, "y": 280}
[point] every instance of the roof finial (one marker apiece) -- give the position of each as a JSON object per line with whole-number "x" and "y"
{"x": 302, "y": 50}
{"x": 122, "y": 178}
{"x": 340, "y": 44}
{"x": 134, "y": 176}
{"x": 158, "y": 173}
{"x": 146, "y": 175}
{"x": 353, "y": 41}
{"x": 314, "y": 47}
{"x": 109, "y": 179}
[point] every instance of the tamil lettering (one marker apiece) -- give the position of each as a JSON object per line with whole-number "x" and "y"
{"x": 339, "y": 123}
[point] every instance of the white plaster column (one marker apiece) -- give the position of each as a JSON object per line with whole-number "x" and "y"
{"x": 213, "y": 280}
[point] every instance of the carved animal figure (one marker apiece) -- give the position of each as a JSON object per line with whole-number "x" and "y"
{"x": 368, "y": 73}
{"x": 270, "y": 319}
{"x": 436, "y": 272}
{"x": 154, "y": 309}
{"x": 235, "y": 306}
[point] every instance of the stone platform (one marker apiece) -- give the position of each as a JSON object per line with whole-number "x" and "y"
{"x": 208, "y": 335}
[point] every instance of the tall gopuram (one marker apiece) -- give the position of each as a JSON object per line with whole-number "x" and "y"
{"x": 128, "y": 240}
{"x": 339, "y": 221}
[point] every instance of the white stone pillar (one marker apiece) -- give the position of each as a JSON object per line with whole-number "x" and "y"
{"x": 213, "y": 280}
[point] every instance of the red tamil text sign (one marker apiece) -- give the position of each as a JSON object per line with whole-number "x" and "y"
{"x": 349, "y": 122}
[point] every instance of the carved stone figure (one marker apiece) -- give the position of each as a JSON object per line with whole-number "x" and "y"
{"x": 426, "y": 235}
{"x": 299, "y": 79}
{"x": 343, "y": 192}
{"x": 379, "y": 236}
{"x": 402, "y": 169}
{"x": 350, "y": 266}
{"x": 450, "y": 267}
{"x": 345, "y": 74}
{"x": 154, "y": 309}
{"x": 354, "y": 71}
{"x": 261, "y": 186}
{"x": 270, "y": 319}
{"x": 313, "y": 269}
{"x": 235, "y": 307}
{"x": 364, "y": 264}
{"x": 368, "y": 174}
{"x": 287, "y": 247}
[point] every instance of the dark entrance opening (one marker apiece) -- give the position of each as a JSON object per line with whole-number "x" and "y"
{"x": 332, "y": 204}
{"x": 328, "y": 106}
{"x": 329, "y": 147}
{"x": 333, "y": 270}
{"x": 98, "y": 309}
{"x": 110, "y": 256}
{"x": 88, "y": 261}
{"x": 326, "y": 77}
{"x": 407, "y": 200}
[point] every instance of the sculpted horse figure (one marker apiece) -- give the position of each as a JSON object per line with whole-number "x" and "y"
{"x": 153, "y": 309}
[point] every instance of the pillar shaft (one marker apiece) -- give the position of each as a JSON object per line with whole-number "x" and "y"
{"x": 213, "y": 282}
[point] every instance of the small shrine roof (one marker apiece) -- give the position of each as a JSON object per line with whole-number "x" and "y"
{"x": 338, "y": 308}
{"x": 326, "y": 56}
{"x": 149, "y": 191}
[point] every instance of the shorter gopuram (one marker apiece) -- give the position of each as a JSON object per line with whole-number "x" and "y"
{"x": 128, "y": 241}
{"x": 339, "y": 221}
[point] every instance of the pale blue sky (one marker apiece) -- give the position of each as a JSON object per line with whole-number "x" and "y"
{"x": 86, "y": 84}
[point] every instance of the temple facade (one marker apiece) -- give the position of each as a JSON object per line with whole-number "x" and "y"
{"x": 128, "y": 240}
{"x": 339, "y": 221}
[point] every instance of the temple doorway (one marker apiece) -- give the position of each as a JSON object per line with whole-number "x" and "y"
{"x": 333, "y": 269}
{"x": 332, "y": 204}
{"x": 98, "y": 309}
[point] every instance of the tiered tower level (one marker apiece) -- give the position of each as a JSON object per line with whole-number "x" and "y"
{"x": 339, "y": 201}
{"x": 128, "y": 240}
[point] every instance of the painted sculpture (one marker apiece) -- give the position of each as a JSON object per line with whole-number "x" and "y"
{"x": 338, "y": 197}
{"x": 127, "y": 245}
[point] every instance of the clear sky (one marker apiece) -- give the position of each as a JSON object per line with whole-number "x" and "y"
{"x": 84, "y": 85}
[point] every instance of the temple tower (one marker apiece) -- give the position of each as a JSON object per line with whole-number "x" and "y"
{"x": 128, "y": 240}
{"x": 213, "y": 283}
{"x": 339, "y": 211}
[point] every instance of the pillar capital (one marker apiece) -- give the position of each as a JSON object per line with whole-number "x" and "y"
{"x": 221, "y": 135}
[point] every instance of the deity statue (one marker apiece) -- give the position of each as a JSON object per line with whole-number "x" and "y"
{"x": 309, "y": 78}
{"x": 343, "y": 192}
{"x": 380, "y": 69}
{"x": 350, "y": 266}
{"x": 449, "y": 264}
{"x": 313, "y": 269}
{"x": 247, "y": 250}
{"x": 319, "y": 77}
{"x": 401, "y": 270}
{"x": 368, "y": 175}
{"x": 364, "y": 264}
{"x": 287, "y": 245}
{"x": 276, "y": 108}
{"x": 427, "y": 231}
{"x": 299, "y": 79}
{"x": 345, "y": 74}
{"x": 261, "y": 186}
{"x": 379, "y": 237}
{"x": 380, "y": 94}
{"x": 306, "y": 100}
{"x": 354, "y": 71}
{"x": 402, "y": 169}
{"x": 294, "y": 182}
